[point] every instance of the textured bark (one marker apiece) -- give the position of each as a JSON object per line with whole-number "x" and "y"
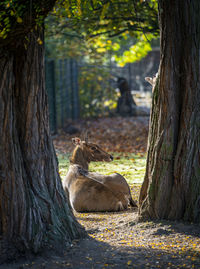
{"x": 34, "y": 210}
{"x": 171, "y": 188}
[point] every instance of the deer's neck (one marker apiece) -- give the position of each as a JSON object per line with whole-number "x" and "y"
{"x": 78, "y": 157}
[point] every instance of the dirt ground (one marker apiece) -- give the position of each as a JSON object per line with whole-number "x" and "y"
{"x": 119, "y": 240}
{"x": 115, "y": 134}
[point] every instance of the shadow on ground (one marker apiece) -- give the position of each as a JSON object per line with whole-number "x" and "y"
{"x": 127, "y": 244}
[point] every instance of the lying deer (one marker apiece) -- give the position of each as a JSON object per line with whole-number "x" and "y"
{"x": 90, "y": 191}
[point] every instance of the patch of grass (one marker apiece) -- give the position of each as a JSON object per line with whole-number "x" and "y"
{"x": 130, "y": 165}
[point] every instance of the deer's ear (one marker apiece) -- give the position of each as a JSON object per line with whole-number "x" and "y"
{"x": 76, "y": 141}
{"x": 150, "y": 80}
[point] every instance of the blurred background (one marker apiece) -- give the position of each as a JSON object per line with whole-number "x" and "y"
{"x": 89, "y": 55}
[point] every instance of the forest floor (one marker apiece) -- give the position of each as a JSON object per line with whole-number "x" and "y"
{"x": 120, "y": 240}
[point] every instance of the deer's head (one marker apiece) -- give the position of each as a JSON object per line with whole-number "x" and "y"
{"x": 89, "y": 152}
{"x": 152, "y": 80}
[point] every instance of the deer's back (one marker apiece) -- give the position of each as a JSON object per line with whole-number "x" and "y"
{"x": 115, "y": 182}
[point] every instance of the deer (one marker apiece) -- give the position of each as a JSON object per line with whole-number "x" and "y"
{"x": 90, "y": 191}
{"x": 152, "y": 80}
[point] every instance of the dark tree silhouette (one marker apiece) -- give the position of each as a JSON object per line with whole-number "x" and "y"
{"x": 126, "y": 105}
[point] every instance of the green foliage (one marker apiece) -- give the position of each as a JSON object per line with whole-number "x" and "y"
{"x": 11, "y": 13}
{"x": 97, "y": 30}
{"x": 17, "y": 18}
{"x": 112, "y": 17}
{"x": 97, "y": 97}
{"x": 136, "y": 51}
{"x": 130, "y": 165}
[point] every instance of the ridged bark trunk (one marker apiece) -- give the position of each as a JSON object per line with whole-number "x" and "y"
{"x": 34, "y": 210}
{"x": 171, "y": 188}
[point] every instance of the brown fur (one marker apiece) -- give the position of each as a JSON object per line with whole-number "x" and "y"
{"x": 92, "y": 191}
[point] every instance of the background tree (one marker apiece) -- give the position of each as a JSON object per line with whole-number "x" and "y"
{"x": 171, "y": 187}
{"x": 34, "y": 210}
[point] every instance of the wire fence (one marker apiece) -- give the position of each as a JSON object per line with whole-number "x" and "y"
{"x": 63, "y": 92}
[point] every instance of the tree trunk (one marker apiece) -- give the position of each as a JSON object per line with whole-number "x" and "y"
{"x": 171, "y": 187}
{"x": 34, "y": 210}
